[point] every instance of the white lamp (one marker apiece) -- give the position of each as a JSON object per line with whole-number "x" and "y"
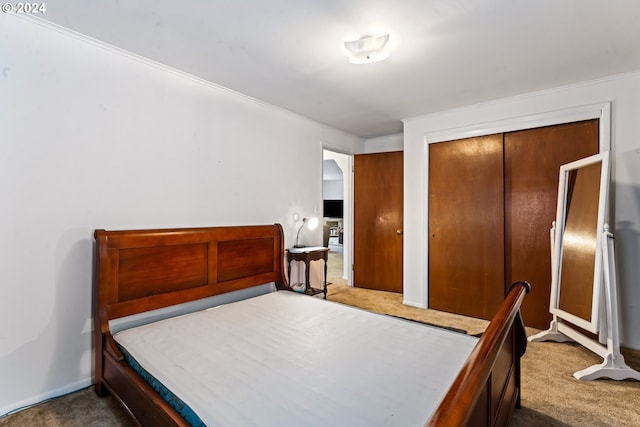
{"x": 367, "y": 49}
{"x": 313, "y": 223}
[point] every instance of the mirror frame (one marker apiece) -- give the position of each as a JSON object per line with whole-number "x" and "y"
{"x": 591, "y": 324}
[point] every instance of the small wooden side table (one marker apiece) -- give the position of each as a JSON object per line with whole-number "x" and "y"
{"x": 306, "y": 255}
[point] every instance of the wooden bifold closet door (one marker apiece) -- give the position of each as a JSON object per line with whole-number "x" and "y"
{"x": 492, "y": 200}
{"x": 466, "y": 226}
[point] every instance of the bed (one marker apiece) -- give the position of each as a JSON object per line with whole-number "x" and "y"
{"x": 143, "y": 275}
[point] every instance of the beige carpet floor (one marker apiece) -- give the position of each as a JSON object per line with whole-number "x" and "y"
{"x": 550, "y": 394}
{"x": 80, "y": 409}
{"x": 335, "y": 270}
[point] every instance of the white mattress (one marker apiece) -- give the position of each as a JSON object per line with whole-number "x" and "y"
{"x": 286, "y": 359}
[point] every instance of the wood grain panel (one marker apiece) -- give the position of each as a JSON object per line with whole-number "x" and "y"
{"x": 146, "y": 406}
{"x": 500, "y": 378}
{"x": 532, "y": 163}
{"x": 176, "y": 268}
{"x": 245, "y": 258}
{"x": 579, "y": 241}
{"x": 151, "y": 270}
{"x": 378, "y": 202}
{"x": 482, "y": 415}
{"x": 466, "y": 226}
{"x": 505, "y": 406}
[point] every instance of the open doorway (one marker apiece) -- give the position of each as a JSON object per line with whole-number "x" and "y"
{"x": 336, "y": 222}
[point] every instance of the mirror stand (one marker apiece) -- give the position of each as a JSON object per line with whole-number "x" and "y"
{"x": 613, "y": 366}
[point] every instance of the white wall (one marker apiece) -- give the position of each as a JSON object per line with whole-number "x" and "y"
{"x": 624, "y": 93}
{"x": 382, "y": 144}
{"x": 333, "y": 189}
{"x": 91, "y": 137}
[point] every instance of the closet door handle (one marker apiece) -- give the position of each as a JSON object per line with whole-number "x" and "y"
{"x": 399, "y": 232}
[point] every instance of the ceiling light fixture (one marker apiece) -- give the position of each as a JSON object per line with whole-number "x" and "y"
{"x": 367, "y": 49}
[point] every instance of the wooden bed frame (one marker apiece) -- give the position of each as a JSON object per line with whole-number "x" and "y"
{"x": 142, "y": 270}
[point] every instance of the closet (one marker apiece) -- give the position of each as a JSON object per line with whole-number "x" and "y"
{"x": 492, "y": 200}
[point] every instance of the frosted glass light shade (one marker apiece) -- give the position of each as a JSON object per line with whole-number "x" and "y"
{"x": 367, "y": 49}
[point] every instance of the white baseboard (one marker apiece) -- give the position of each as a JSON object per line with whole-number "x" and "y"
{"x": 413, "y": 303}
{"x": 61, "y": 391}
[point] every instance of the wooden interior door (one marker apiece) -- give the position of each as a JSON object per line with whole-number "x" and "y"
{"x": 532, "y": 164}
{"x": 466, "y": 226}
{"x": 377, "y": 228}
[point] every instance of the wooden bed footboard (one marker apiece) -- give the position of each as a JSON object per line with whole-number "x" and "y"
{"x": 142, "y": 270}
{"x": 487, "y": 388}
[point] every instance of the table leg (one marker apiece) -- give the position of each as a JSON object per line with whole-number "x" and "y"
{"x": 307, "y": 283}
{"x": 325, "y": 278}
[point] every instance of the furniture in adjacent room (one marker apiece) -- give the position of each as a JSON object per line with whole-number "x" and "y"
{"x": 306, "y": 255}
{"x": 335, "y": 233}
{"x": 145, "y": 274}
{"x": 332, "y": 232}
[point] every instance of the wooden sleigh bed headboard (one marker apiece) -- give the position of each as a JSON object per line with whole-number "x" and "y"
{"x": 142, "y": 270}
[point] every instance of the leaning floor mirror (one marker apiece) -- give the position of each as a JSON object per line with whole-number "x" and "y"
{"x": 582, "y": 197}
{"x": 583, "y": 286}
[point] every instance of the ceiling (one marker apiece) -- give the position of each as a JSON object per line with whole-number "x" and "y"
{"x": 444, "y": 53}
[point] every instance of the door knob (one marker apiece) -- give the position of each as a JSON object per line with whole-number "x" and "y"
{"x": 399, "y": 232}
